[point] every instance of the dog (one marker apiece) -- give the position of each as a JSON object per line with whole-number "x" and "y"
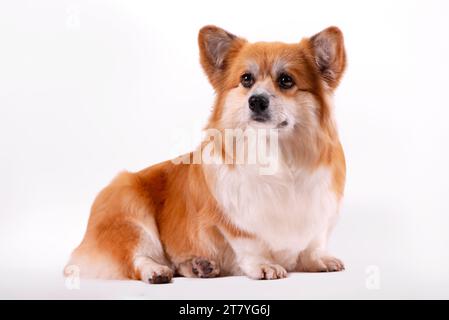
{"x": 203, "y": 220}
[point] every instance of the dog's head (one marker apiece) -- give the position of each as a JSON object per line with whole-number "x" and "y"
{"x": 271, "y": 85}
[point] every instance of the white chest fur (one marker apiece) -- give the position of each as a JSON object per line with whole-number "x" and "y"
{"x": 286, "y": 210}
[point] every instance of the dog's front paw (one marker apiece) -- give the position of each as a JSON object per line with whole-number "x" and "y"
{"x": 156, "y": 274}
{"x": 319, "y": 264}
{"x": 205, "y": 268}
{"x": 332, "y": 264}
{"x": 266, "y": 271}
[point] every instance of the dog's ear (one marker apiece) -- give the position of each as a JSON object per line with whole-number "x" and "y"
{"x": 217, "y": 48}
{"x": 329, "y": 53}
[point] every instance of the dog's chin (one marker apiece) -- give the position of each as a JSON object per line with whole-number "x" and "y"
{"x": 261, "y": 124}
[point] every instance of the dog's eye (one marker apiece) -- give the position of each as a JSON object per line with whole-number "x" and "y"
{"x": 285, "y": 81}
{"x": 247, "y": 80}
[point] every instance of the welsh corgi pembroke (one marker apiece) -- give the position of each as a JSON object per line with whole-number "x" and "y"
{"x": 220, "y": 210}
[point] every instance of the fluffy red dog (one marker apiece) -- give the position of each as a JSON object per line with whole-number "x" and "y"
{"x": 225, "y": 217}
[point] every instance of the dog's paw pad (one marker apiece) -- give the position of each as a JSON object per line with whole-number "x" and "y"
{"x": 205, "y": 268}
{"x": 157, "y": 279}
{"x": 158, "y": 275}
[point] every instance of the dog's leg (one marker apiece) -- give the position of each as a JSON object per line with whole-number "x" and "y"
{"x": 315, "y": 259}
{"x": 254, "y": 259}
{"x": 122, "y": 238}
{"x": 149, "y": 262}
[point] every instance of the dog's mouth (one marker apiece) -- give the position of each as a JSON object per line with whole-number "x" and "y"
{"x": 262, "y": 118}
{"x": 265, "y": 120}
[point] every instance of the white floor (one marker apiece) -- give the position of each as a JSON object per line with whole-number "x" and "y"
{"x": 384, "y": 260}
{"x": 351, "y": 284}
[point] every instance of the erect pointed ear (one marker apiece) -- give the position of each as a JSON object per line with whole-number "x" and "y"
{"x": 217, "y": 47}
{"x": 330, "y": 56}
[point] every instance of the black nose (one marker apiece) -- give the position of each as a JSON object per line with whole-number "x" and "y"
{"x": 258, "y": 103}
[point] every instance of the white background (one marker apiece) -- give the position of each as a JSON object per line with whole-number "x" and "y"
{"x": 89, "y": 88}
